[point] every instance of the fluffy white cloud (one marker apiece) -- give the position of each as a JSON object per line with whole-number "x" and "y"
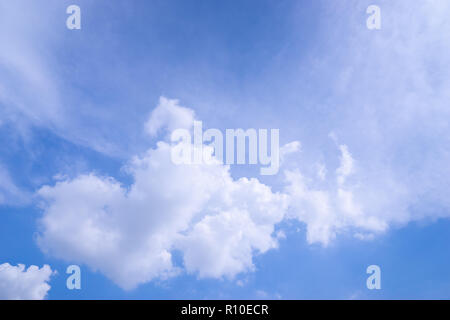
{"x": 128, "y": 233}
{"x": 222, "y": 244}
{"x": 218, "y": 223}
{"x": 18, "y": 283}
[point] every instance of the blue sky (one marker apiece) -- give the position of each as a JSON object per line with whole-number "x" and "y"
{"x": 369, "y": 184}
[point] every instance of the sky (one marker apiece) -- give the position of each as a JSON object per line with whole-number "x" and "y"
{"x": 86, "y": 176}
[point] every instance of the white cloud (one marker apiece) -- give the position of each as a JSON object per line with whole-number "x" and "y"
{"x": 18, "y": 283}
{"x": 218, "y": 223}
{"x": 387, "y": 97}
{"x": 168, "y": 114}
{"x": 129, "y": 233}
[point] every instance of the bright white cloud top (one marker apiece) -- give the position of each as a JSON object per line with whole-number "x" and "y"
{"x": 21, "y": 283}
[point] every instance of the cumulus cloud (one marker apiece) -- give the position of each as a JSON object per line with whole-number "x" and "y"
{"x": 218, "y": 223}
{"x": 129, "y": 233}
{"x": 18, "y": 283}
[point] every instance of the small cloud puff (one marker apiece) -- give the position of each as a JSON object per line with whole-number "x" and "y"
{"x": 18, "y": 283}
